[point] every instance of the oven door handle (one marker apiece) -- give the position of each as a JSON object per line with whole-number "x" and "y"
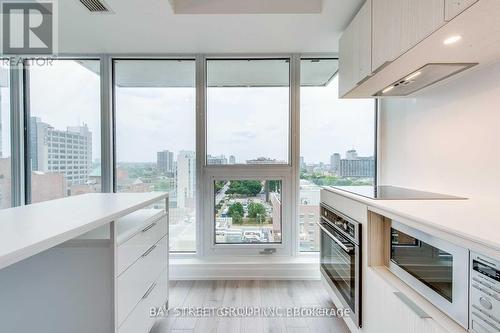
{"x": 348, "y": 249}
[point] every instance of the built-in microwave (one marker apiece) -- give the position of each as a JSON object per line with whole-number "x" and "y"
{"x": 435, "y": 268}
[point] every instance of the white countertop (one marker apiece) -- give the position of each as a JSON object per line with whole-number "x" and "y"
{"x": 28, "y": 230}
{"x": 474, "y": 219}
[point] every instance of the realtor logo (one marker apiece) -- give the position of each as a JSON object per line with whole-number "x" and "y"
{"x": 28, "y": 27}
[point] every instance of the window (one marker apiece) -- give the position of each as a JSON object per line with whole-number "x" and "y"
{"x": 5, "y": 161}
{"x": 337, "y": 141}
{"x": 248, "y": 111}
{"x": 64, "y": 110}
{"x": 155, "y": 105}
{"x": 247, "y": 211}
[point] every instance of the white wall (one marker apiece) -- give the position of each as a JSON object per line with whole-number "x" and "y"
{"x": 447, "y": 138}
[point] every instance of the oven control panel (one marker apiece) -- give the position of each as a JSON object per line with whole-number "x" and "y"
{"x": 484, "y": 294}
{"x": 348, "y": 226}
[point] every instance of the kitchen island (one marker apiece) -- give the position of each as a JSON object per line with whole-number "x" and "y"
{"x": 99, "y": 260}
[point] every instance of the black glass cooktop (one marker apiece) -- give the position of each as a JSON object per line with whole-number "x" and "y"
{"x": 394, "y": 193}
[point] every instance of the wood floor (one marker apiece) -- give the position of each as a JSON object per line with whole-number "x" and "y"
{"x": 221, "y": 294}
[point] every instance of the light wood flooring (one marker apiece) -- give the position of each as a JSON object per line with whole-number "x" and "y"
{"x": 217, "y": 294}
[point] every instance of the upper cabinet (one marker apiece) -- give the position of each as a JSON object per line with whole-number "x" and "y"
{"x": 398, "y": 25}
{"x": 355, "y": 50}
{"x": 398, "y": 47}
{"x": 454, "y": 7}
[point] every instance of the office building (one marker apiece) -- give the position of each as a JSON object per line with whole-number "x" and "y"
{"x": 359, "y": 168}
{"x": 185, "y": 180}
{"x": 165, "y": 161}
{"x": 57, "y": 151}
{"x": 335, "y": 163}
{"x": 216, "y": 160}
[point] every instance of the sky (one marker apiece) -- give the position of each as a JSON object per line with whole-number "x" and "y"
{"x": 245, "y": 122}
{"x": 67, "y": 94}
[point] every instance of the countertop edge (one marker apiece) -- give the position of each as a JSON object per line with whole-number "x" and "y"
{"x": 38, "y": 247}
{"x": 376, "y": 207}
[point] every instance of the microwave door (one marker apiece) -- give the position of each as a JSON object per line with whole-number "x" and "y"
{"x": 428, "y": 264}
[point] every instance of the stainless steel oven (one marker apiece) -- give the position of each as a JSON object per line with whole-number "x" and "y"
{"x": 436, "y": 268}
{"x": 340, "y": 262}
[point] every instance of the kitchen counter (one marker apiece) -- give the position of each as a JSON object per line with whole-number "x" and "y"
{"x": 85, "y": 263}
{"x": 476, "y": 220}
{"x": 29, "y": 230}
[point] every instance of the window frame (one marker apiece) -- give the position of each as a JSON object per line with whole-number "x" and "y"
{"x": 376, "y": 103}
{"x": 283, "y": 172}
{"x": 26, "y": 115}
{"x": 114, "y": 160}
{"x": 290, "y": 109}
{"x": 290, "y": 172}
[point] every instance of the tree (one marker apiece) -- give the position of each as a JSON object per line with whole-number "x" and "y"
{"x": 236, "y": 208}
{"x": 237, "y": 218}
{"x": 274, "y": 185}
{"x": 245, "y": 187}
{"x": 256, "y": 209}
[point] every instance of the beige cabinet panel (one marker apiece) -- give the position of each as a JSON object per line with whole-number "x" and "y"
{"x": 355, "y": 51}
{"x": 398, "y": 25}
{"x": 454, "y": 7}
{"x": 383, "y": 311}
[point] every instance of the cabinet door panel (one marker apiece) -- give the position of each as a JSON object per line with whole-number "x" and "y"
{"x": 355, "y": 50}
{"x": 454, "y": 7}
{"x": 398, "y": 25}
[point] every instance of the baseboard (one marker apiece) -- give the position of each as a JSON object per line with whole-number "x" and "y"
{"x": 244, "y": 269}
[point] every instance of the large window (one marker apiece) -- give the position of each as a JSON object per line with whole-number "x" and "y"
{"x": 155, "y": 103}
{"x": 337, "y": 142}
{"x": 5, "y": 161}
{"x": 248, "y": 111}
{"x": 247, "y": 211}
{"x": 63, "y": 139}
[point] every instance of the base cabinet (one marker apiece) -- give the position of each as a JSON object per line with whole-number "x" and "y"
{"x": 141, "y": 319}
{"x": 141, "y": 279}
{"x": 386, "y": 312}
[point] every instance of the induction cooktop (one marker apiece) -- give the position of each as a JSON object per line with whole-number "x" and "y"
{"x": 385, "y": 192}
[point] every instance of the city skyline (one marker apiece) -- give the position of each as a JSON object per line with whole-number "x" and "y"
{"x": 334, "y": 113}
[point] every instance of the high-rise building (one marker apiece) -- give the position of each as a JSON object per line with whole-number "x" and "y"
{"x": 165, "y": 161}
{"x": 362, "y": 167}
{"x": 302, "y": 163}
{"x": 351, "y": 154}
{"x": 68, "y": 152}
{"x": 232, "y": 159}
{"x": 216, "y": 160}
{"x": 265, "y": 160}
{"x": 335, "y": 163}
{"x": 186, "y": 178}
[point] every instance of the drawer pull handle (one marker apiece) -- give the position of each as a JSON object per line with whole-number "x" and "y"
{"x": 149, "y": 251}
{"x": 149, "y": 227}
{"x": 150, "y": 289}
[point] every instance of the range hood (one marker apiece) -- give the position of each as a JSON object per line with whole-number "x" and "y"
{"x": 425, "y": 76}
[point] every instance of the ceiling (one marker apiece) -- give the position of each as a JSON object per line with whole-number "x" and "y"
{"x": 150, "y": 26}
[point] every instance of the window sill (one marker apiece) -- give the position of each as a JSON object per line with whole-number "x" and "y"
{"x": 302, "y": 267}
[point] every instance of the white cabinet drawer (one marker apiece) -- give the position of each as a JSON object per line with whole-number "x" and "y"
{"x": 139, "y": 321}
{"x": 135, "y": 281}
{"x": 129, "y": 251}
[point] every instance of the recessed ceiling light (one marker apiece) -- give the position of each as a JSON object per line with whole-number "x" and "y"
{"x": 412, "y": 76}
{"x": 452, "y": 39}
{"x": 386, "y": 90}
